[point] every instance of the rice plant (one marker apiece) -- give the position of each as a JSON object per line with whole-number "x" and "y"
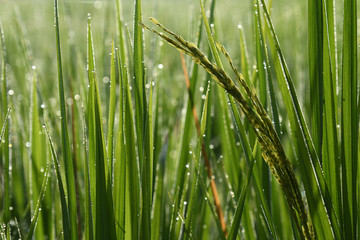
{"x": 116, "y": 125}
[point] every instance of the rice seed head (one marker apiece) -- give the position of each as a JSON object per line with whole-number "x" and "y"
{"x": 272, "y": 149}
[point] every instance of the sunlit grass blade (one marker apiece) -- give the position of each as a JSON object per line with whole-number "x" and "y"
{"x": 330, "y": 155}
{"x": 132, "y": 180}
{"x": 4, "y": 147}
{"x": 88, "y": 221}
{"x": 244, "y": 54}
{"x": 132, "y": 171}
{"x": 69, "y": 168}
{"x": 120, "y": 167}
{"x": 323, "y": 217}
{"x": 157, "y": 219}
{"x": 38, "y": 163}
{"x": 139, "y": 80}
{"x": 260, "y": 56}
{"x": 349, "y": 119}
{"x": 142, "y": 125}
{"x": 120, "y": 163}
{"x": 112, "y": 105}
{"x": 37, "y": 209}
{"x": 103, "y": 202}
{"x": 3, "y": 128}
{"x": 64, "y": 208}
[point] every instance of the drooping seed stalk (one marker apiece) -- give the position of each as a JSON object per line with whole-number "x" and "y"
{"x": 272, "y": 149}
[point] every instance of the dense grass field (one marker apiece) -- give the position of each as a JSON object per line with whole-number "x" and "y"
{"x": 179, "y": 119}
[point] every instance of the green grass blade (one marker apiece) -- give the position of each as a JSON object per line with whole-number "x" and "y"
{"x": 142, "y": 124}
{"x": 315, "y": 41}
{"x": 3, "y": 129}
{"x": 69, "y": 168}
{"x": 103, "y": 202}
{"x": 89, "y": 224}
{"x": 38, "y": 162}
{"x": 350, "y": 123}
{"x": 139, "y": 80}
{"x": 39, "y": 202}
{"x": 157, "y": 219}
{"x": 244, "y": 55}
{"x": 260, "y": 55}
{"x": 210, "y": 37}
{"x": 331, "y": 160}
{"x": 240, "y": 206}
{"x": 4, "y": 148}
{"x": 91, "y": 125}
{"x": 111, "y": 119}
{"x": 64, "y": 209}
{"x": 132, "y": 171}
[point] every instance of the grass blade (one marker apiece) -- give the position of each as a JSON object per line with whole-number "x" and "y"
{"x": 69, "y": 168}
{"x": 38, "y": 163}
{"x": 240, "y": 206}
{"x": 111, "y": 119}
{"x": 4, "y": 148}
{"x": 331, "y": 160}
{"x": 64, "y": 209}
{"x": 315, "y": 39}
{"x": 103, "y": 202}
{"x": 350, "y": 123}
{"x": 37, "y": 209}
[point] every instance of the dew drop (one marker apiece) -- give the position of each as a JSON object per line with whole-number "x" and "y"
{"x": 77, "y": 97}
{"x": 106, "y": 79}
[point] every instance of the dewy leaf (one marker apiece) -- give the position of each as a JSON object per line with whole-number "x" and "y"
{"x": 69, "y": 169}
{"x": 350, "y": 121}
